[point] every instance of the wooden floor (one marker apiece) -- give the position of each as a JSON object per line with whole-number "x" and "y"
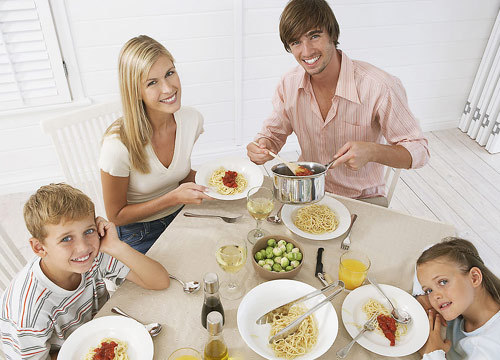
{"x": 459, "y": 186}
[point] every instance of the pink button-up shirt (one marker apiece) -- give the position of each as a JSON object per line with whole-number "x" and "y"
{"x": 369, "y": 105}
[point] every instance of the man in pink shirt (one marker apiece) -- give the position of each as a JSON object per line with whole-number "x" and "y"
{"x": 339, "y": 108}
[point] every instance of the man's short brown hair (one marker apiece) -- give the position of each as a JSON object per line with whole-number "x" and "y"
{"x": 52, "y": 204}
{"x": 301, "y": 16}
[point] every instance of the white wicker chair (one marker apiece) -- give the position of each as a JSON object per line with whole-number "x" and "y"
{"x": 77, "y": 137}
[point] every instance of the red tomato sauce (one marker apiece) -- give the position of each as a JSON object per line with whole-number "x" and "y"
{"x": 229, "y": 179}
{"x": 388, "y": 326}
{"x": 302, "y": 171}
{"x": 106, "y": 351}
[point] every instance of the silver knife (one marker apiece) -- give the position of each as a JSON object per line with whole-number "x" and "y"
{"x": 283, "y": 309}
{"x": 294, "y": 325}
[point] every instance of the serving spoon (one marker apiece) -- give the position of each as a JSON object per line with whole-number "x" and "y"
{"x": 188, "y": 287}
{"x": 293, "y": 167}
{"x": 276, "y": 219}
{"x": 153, "y": 329}
{"x": 399, "y": 315}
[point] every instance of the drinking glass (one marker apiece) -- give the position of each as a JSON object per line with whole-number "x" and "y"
{"x": 185, "y": 354}
{"x": 231, "y": 255}
{"x": 260, "y": 203}
{"x": 353, "y": 268}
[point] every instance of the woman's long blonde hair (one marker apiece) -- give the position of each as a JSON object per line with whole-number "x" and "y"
{"x": 136, "y": 59}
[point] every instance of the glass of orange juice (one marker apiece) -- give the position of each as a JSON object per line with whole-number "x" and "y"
{"x": 185, "y": 354}
{"x": 353, "y": 268}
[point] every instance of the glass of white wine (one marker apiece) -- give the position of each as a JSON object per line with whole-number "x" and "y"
{"x": 260, "y": 203}
{"x": 231, "y": 255}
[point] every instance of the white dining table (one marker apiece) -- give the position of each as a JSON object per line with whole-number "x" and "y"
{"x": 392, "y": 240}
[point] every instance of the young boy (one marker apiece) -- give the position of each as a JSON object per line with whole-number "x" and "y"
{"x": 63, "y": 287}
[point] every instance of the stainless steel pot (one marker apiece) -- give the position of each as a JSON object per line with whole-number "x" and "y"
{"x": 292, "y": 189}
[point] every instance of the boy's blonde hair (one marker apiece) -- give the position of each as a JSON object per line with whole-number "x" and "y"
{"x": 136, "y": 59}
{"x": 52, "y": 204}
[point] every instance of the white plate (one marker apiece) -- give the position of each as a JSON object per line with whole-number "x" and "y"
{"x": 250, "y": 171}
{"x": 341, "y": 212}
{"x": 271, "y": 294}
{"x": 418, "y": 329}
{"x": 89, "y": 335}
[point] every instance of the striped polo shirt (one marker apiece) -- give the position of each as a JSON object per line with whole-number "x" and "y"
{"x": 36, "y": 315}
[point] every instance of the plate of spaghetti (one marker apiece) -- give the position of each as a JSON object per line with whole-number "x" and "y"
{"x": 324, "y": 220}
{"x": 108, "y": 338}
{"x": 389, "y": 338}
{"x": 230, "y": 178}
{"x": 315, "y": 335}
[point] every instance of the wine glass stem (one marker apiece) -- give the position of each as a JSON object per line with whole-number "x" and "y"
{"x": 258, "y": 230}
{"x": 232, "y": 284}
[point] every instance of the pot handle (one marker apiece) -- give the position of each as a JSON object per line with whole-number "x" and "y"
{"x": 327, "y": 166}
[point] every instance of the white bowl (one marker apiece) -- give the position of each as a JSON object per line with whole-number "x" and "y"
{"x": 268, "y": 296}
{"x": 89, "y": 335}
{"x": 248, "y": 169}
{"x": 343, "y": 216}
{"x": 418, "y": 329}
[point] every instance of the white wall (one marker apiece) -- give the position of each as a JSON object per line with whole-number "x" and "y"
{"x": 230, "y": 59}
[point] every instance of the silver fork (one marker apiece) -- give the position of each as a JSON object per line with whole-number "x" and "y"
{"x": 368, "y": 326}
{"x": 347, "y": 241}
{"x": 225, "y": 218}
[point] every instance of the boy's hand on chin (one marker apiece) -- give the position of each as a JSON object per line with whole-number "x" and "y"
{"x": 108, "y": 235}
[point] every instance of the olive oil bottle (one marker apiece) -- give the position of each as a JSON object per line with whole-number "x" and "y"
{"x": 215, "y": 348}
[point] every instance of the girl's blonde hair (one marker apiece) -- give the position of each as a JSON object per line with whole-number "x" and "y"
{"x": 465, "y": 255}
{"x": 136, "y": 59}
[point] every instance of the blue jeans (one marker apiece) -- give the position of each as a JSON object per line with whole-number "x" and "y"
{"x": 142, "y": 235}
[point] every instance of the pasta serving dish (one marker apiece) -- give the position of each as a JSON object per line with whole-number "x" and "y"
{"x": 258, "y": 301}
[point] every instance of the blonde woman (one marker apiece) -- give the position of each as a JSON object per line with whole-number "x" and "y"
{"x": 145, "y": 155}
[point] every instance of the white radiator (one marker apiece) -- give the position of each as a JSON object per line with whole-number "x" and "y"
{"x": 481, "y": 116}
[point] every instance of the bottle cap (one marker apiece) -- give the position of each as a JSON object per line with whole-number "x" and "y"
{"x": 214, "y": 322}
{"x": 211, "y": 283}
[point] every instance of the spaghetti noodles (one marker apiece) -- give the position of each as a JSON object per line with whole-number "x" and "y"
{"x": 301, "y": 341}
{"x": 108, "y": 349}
{"x": 316, "y": 219}
{"x": 216, "y": 180}
{"x": 373, "y": 307}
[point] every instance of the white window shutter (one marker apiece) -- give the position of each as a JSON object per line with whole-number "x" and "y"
{"x": 31, "y": 66}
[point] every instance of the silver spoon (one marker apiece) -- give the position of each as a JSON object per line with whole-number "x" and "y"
{"x": 276, "y": 219}
{"x": 153, "y": 329}
{"x": 188, "y": 287}
{"x": 399, "y": 315}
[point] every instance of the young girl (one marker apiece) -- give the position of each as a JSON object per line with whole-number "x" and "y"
{"x": 145, "y": 161}
{"x": 463, "y": 292}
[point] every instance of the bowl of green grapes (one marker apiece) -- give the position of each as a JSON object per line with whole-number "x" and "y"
{"x": 277, "y": 257}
